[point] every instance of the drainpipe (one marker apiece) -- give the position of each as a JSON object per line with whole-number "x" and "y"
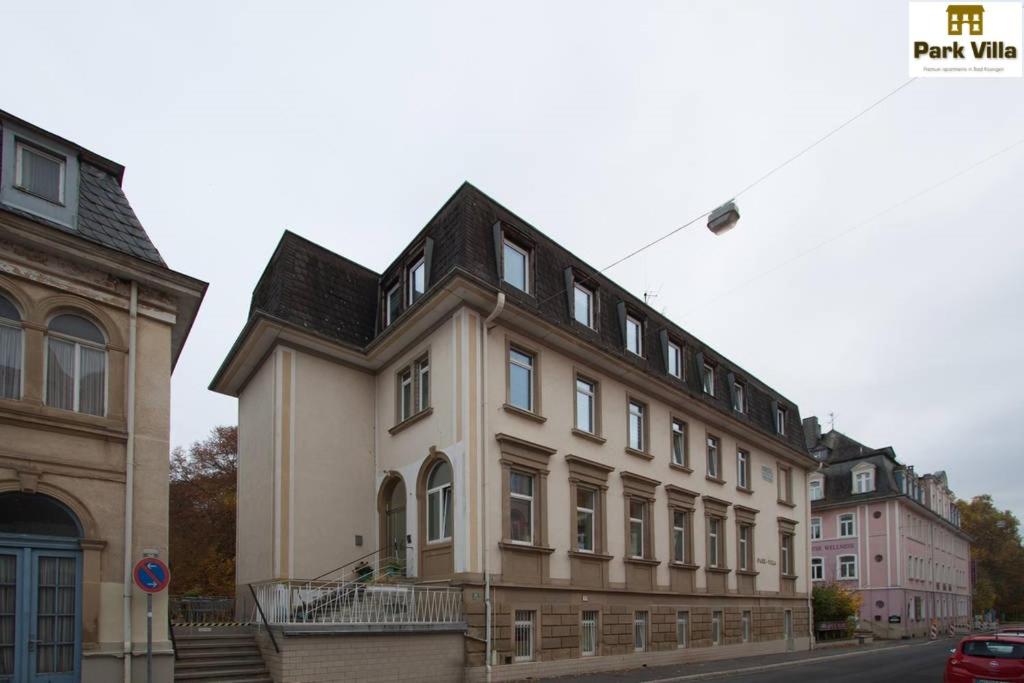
{"x": 129, "y": 482}
{"x": 810, "y": 591}
{"x": 485, "y": 327}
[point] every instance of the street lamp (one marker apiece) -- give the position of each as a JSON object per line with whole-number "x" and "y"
{"x": 723, "y": 218}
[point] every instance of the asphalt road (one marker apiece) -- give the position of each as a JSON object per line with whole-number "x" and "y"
{"x": 905, "y": 662}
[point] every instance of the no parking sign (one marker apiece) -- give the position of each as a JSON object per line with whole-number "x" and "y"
{"x": 151, "y": 575}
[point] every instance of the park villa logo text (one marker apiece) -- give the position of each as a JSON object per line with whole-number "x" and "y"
{"x": 971, "y": 40}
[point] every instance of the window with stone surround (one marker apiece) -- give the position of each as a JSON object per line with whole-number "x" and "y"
{"x": 588, "y": 486}
{"x": 787, "y": 548}
{"x": 715, "y": 514}
{"x": 524, "y": 472}
{"x": 639, "y": 493}
{"x": 681, "y": 504}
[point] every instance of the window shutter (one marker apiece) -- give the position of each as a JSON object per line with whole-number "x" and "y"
{"x": 428, "y": 261}
{"x": 732, "y": 389}
{"x": 621, "y": 308}
{"x": 663, "y": 335}
{"x": 775, "y": 415}
{"x": 570, "y": 292}
{"x": 497, "y": 248}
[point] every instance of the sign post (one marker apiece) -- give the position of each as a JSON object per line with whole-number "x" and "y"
{"x": 151, "y": 576}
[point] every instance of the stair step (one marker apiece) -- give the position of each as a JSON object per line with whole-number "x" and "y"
{"x": 214, "y": 643}
{"x": 186, "y": 637}
{"x": 218, "y": 662}
{"x": 221, "y": 674}
{"x": 204, "y": 653}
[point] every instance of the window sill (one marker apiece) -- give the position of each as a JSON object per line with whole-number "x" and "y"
{"x": 717, "y": 570}
{"x": 744, "y": 489}
{"x": 683, "y": 565}
{"x": 639, "y": 454}
{"x": 589, "y": 556}
{"x": 786, "y": 503}
{"x": 747, "y": 572}
{"x": 529, "y": 415}
{"x": 411, "y": 420}
{"x": 788, "y": 577}
{"x": 525, "y": 547}
{"x": 681, "y": 468}
{"x": 717, "y": 480}
{"x": 646, "y": 561}
{"x": 589, "y": 436}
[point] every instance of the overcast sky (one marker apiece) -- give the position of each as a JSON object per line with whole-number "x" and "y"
{"x": 604, "y": 125}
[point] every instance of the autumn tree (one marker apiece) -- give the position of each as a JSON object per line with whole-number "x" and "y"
{"x": 203, "y": 494}
{"x": 835, "y": 602}
{"x": 998, "y": 555}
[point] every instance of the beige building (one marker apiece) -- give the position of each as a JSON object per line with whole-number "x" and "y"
{"x": 492, "y": 414}
{"x": 91, "y": 324}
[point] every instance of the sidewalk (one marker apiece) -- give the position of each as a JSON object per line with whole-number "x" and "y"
{"x": 715, "y": 669}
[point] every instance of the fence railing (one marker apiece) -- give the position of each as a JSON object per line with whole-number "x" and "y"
{"x": 203, "y": 608}
{"x": 357, "y": 602}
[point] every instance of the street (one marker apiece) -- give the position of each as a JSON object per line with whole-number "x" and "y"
{"x": 912, "y": 662}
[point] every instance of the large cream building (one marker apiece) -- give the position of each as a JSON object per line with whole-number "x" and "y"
{"x": 91, "y": 324}
{"x": 497, "y": 415}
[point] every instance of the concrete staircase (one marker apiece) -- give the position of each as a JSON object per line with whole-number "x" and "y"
{"x": 219, "y": 655}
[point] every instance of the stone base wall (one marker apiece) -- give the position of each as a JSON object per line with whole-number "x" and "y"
{"x": 354, "y": 657}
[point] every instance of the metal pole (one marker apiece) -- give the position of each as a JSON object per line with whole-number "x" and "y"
{"x": 149, "y": 638}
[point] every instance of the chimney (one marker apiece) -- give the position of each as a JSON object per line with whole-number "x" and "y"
{"x": 812, "y": 431}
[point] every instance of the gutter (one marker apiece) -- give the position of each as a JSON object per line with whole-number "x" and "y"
{"x": 129, "y": 484}
{"x": 485, "y": 328}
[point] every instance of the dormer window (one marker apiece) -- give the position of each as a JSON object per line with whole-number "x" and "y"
{"x": 817, "y": 488}
{"x": 675, "y": 360}
{"x": 39, "y": 173}
{"x": 417, "y": 280}
{"x": 516, "y": 265}
{"x": 392, "y": 304}
{"x": 863, "y": 478}
{"x": 780, "y": 420}
{"x": 583, "y": 305}
{"x": 707, "y": 375}
{"x": 738, "y": 397}
{"x": 634, "y": 335}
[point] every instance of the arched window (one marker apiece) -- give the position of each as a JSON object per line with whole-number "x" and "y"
{"x": 10, "y": 350}
{"x": 439, "y": 503}
{"x": 36, "y": 514}
{"x": 76, "y": 366}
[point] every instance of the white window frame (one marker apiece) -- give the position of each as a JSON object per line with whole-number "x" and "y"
{"x": 406, "y": 408}
{"x": 640, "y": 636}
{"x": 525, "y": 253}
{"x": 16, "y": 325}
{"x": 682, "y": 629}
{"x": 589, "y": 620}
{"x": 839, "y": 568}
{"x": 590, "y": 392}
{"x": 675, "y": 360}
{"x": 713, "y": 457}
{"x": 680, "y": 547}
{"x": 638, "y": 337}
{"x": 422, "y": 395}
{"x": 815, "y": 528}
{"x": 817, "y": 569}
{"x": 816, "y": 483}
{"x": 579, "y": 290}
{"x": 19, "y": 149}
{"x": 786, "y": 554}
{"x": 743, "y": 542}
{"x": 707, "y": 379}
{"x": 714, "y": 545}
{"x": 639, "y": 411}
{"x": 438, "y": 493}
{"x": 739, "y": 397}
{"x": 79, "y": 344}
{"x": 642, "y": 521}
{"x": 418, "y": 264}
{"x": 678, "y": 433}
{"x": 852, "y": 519}
{"x": 716, "y": 627}
{"x": 389, "y": 313}
{"x": 525, "y": 624}
{"x": 742, "y": 469}
{"x": 863, "y": 478}
{"x": 522, "y": 496}
{"x": 780, "y": 420}
{"x": 531, "y": 377}
{"x": 592, "y": 512}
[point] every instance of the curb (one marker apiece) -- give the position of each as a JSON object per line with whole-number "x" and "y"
{"x": 780, "y": 665}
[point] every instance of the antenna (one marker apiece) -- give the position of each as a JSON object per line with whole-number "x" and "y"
{"x": 831, "y": 421}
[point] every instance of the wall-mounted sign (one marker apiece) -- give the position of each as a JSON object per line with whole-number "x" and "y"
{"x": 767, "y": 473}
{"x": 848, "y": 545}
{"x": 894, "y": 619}
{"x": 765, "y": 560}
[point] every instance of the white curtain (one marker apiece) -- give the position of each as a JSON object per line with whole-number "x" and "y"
{"x": 10, "y": 362}
{"x": 60, "y": 374}
{"x": 92, "y": 372}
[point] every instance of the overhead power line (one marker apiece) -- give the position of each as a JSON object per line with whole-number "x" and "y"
{"x": 756, "y": 182}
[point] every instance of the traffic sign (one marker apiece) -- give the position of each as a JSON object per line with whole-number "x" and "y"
{"x": 151, "y": 575}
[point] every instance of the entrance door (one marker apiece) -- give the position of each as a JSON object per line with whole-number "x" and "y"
{"x": 395, "y": 525}
{"x": 40, "y": 641}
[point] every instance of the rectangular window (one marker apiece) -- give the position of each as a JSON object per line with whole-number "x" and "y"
{"x": 521, "y": 507}
{"x": 780, "y": 420}
{"x": 39, "y": 173}
{"x": 787, "y": 624}
{"x": 815, "y": 528}
{"x": 10, "y": 358}
{"x": 738, "y": 398}
{"x": 862, "y": 482}
{"x": 714, "y": 540}
{"x": 847, "y": 526}
{"x": 714, "y": 471}
{"x": 417, "y": 280}
{"x": 405, "y": 395}
{"x": 634, "y": 336}
{"x": 785, "y": 484}
{"x": 746, "y": 621}
{"x": 817, "y": 569}
{"x": 680, "y": 531}
{"x": 520, "y": 379}
{"x": 586, "y": 504}
{"x": 75, "y": 377}
{"x": 524, "y": 634}
{"x": 786, "y": 554}
{"x": 716, "y": 628}
{"x": 708, "y": 379}
{"x": 745, "y": 547}
{"x": 392, "y": 304}
{"x": 679, "y": 443}
{"x": 637, "y": 427}
{"x": 815, "y": 486}
{"x": 516, "y": 266}
{"x": 675, "y": 360}
{"x": 588, "y": 633}
{"x": 423, "y": 375}
{"x": 640, "y": 632}
{"x": 586, "y": 395}
{"x": 583, "y": 305}
{"x": 847, "y": 566}
{"x": 682, "y": 629}
{"x": 637, "y": 521}
{"x": 743, "y": 469}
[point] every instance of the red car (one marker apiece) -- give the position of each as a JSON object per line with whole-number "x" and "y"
{"x": 986, "y": 659}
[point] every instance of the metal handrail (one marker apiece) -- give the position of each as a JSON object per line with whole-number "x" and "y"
{"x": 264, "y": 618}
{"x": 348, "y": 564}
{"x": 170, "y": 630}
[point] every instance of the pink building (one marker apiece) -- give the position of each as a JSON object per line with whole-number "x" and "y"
{"x": 878, "y": 527}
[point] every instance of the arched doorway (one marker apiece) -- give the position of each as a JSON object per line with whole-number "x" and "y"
{"x": 40, "y": 590}
{"x": 391, "y": 510}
